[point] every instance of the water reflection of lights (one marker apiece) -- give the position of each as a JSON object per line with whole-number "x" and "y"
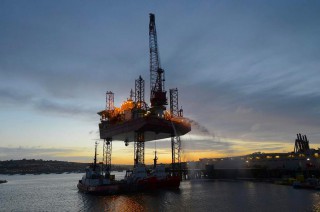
{"x": 112, "y": 203}
{"x": 316, "y": 201}
{"x": 122, "y": 203}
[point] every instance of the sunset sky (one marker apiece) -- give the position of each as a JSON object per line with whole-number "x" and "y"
{"x": 248, "y": 74}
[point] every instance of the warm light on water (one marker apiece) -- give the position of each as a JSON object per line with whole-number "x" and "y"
{"x": 58, "y": 192}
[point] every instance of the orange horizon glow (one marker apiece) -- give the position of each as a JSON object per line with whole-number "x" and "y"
{"x": 125, "y": 159}
{"x": 124, "y": 155}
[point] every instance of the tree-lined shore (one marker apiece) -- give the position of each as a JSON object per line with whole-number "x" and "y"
{"x": 32, "y": 166}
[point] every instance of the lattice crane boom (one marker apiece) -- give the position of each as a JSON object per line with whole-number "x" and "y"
{"x": 158, "y": 94}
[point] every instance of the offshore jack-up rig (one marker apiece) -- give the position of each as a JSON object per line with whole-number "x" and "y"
{"x": 135, "y": 121}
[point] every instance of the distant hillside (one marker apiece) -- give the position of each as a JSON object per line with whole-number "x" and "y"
{"x": 32, "y": 166}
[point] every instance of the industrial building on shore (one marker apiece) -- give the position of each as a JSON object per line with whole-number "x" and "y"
{"x": 302, "y": 160}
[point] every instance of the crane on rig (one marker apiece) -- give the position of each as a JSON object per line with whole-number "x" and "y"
{"x": 158, "y": 96}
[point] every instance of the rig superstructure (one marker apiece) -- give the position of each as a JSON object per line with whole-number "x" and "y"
{"x": 136, "y": 121}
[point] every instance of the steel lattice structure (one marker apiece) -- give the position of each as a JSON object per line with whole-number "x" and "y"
{"x": 158, "y": 93}
{"x": 109, "y": 101}
{"x": 139, "y": 148}
{"x": 174, "y": 104}
{"x": 139, "y": 94}
{"x": 139, "y": 90}
{"x": 107, "y": 150}
{"x": 175, "y": 139}
{"x": 176, "y": 154}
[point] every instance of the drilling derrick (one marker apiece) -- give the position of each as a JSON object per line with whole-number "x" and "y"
{"x": 140, "y": 105}
{"x": 158, "y": 97}
{"x": 174, "y": 106}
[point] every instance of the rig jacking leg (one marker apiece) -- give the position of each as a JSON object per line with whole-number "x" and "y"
{"x": 107, "y": 154}
{"x": 139, "y": 148}
{"x": 176, "y": 155}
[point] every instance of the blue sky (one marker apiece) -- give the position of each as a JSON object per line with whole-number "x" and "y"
{"x": 247, "y": 72}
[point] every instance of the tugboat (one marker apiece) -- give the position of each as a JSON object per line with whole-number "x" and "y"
{"x": 164, "y": 180}
{"x": 94, "y": 182}
{"x": 139, "y": 180}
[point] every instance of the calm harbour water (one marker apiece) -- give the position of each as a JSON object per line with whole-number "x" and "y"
{"x": 58, "y": 192}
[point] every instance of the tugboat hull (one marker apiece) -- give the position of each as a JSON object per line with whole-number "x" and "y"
{"x": 171, "y": 182}
{"x": 142, "y": 185}
{"x": 102, "y": 189}
{"x": 147, "y": 184}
